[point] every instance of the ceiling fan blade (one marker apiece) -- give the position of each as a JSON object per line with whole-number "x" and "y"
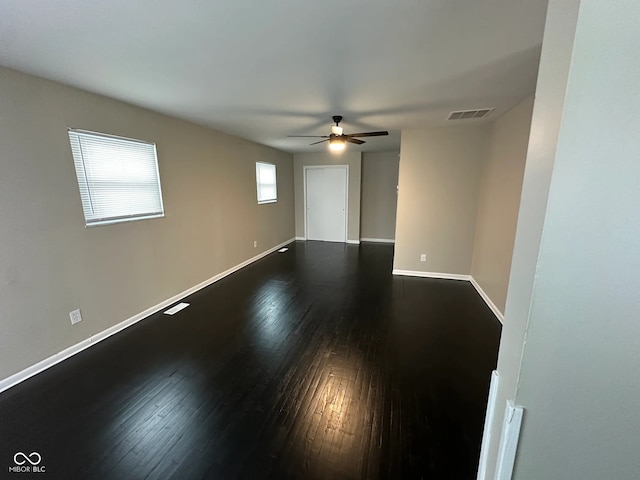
{"x": 315, "y": 143}
{"x": 368, "y": 134}
{"x": 354, "y": 140}
{"x": 309, "y": 136}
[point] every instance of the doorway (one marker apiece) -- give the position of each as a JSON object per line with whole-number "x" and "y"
{"x": 326, "y": 200}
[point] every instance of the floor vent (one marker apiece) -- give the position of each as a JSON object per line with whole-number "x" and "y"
{"x": 469, "y": 114}
{"x": 176, "y": 308}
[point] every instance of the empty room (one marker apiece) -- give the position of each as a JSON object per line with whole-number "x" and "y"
{"x": 319, "y": 240}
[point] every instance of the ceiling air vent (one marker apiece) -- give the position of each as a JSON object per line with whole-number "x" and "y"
{"x": 468, "y": 114}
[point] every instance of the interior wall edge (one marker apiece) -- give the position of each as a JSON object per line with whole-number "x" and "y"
{"x": 68, "y": 352}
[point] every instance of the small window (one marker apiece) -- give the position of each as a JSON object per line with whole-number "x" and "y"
{"x": 118, "y": 177}
{"x": 266, "y": 181}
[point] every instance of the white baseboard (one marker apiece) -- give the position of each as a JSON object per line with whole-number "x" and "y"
{"x": 378, "y": 240}
{"x": 56, "y": 358}
{"x": 455, "y": 276}
{"x": 445, "y": 276}
{"x": 350, "y": 242}
{"x": 496, "y": 311}
{"x": 488, "y": 422}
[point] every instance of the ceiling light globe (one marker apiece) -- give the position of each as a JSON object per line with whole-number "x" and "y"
{"x": 337, "y": 145}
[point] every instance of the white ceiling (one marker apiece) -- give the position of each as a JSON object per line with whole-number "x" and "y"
{"x": 265, "y": 69}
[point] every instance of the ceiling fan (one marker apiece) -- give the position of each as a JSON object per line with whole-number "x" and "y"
{"x": 337, "y": 139}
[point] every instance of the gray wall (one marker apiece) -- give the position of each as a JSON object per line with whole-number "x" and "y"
{"x": 439, "y": 182}
{"x": 499, "y": 200}
{"x": 354, "y": 160}
{"x": 579, "y": 372}
{"x": 51, "y": 264}
{"x": 379, "y": 195}
{"x": 545, "y": 124}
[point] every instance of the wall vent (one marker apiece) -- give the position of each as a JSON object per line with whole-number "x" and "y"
{"x": 468, "y": 114}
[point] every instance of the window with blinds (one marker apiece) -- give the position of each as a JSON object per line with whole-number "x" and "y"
{"x": 118, "y": 177}
{"x": 266, "y": 181}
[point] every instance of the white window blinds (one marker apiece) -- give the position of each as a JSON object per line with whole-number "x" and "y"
{"x": 266, "y": 181}
{"x": 118, "y": 177}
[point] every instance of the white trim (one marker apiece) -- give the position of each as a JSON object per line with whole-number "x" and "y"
{"x": 455, "y": 276}
{"x": 446, "y": 276}
{"x": 509, "y": 441}
{"x": 304, "y": 202}
{"x": 353, "y": 242}
{"x": 496, "y": 311}
{"x": 305, "y": 168}
{"x": 300, "y": 238}
{"x": 378, "y": 240}
{"x": 488, "y": 422}
{"x": 56, "y": 358}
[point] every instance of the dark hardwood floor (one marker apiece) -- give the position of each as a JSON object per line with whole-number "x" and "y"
{"x": 316, "y": 363}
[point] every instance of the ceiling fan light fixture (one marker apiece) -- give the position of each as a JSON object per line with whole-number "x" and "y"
{"x": 337, "y": 144}
{"x": 338, "y": 140}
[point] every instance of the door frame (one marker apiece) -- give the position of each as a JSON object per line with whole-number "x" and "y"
{"x": 305, "y": 168}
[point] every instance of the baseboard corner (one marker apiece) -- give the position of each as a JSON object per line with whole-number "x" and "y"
{"x": 496, "y": 311}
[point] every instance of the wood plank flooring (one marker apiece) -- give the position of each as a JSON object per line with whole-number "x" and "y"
{"x": 316, "y": 363}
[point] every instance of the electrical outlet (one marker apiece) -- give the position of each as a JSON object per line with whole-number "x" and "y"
{"x": 75, "y": 316}
{"x": 423, "y": 257}
{"x": 255, "y": 244}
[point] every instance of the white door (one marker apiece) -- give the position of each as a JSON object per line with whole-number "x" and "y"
{"x": 326, "y": 203}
